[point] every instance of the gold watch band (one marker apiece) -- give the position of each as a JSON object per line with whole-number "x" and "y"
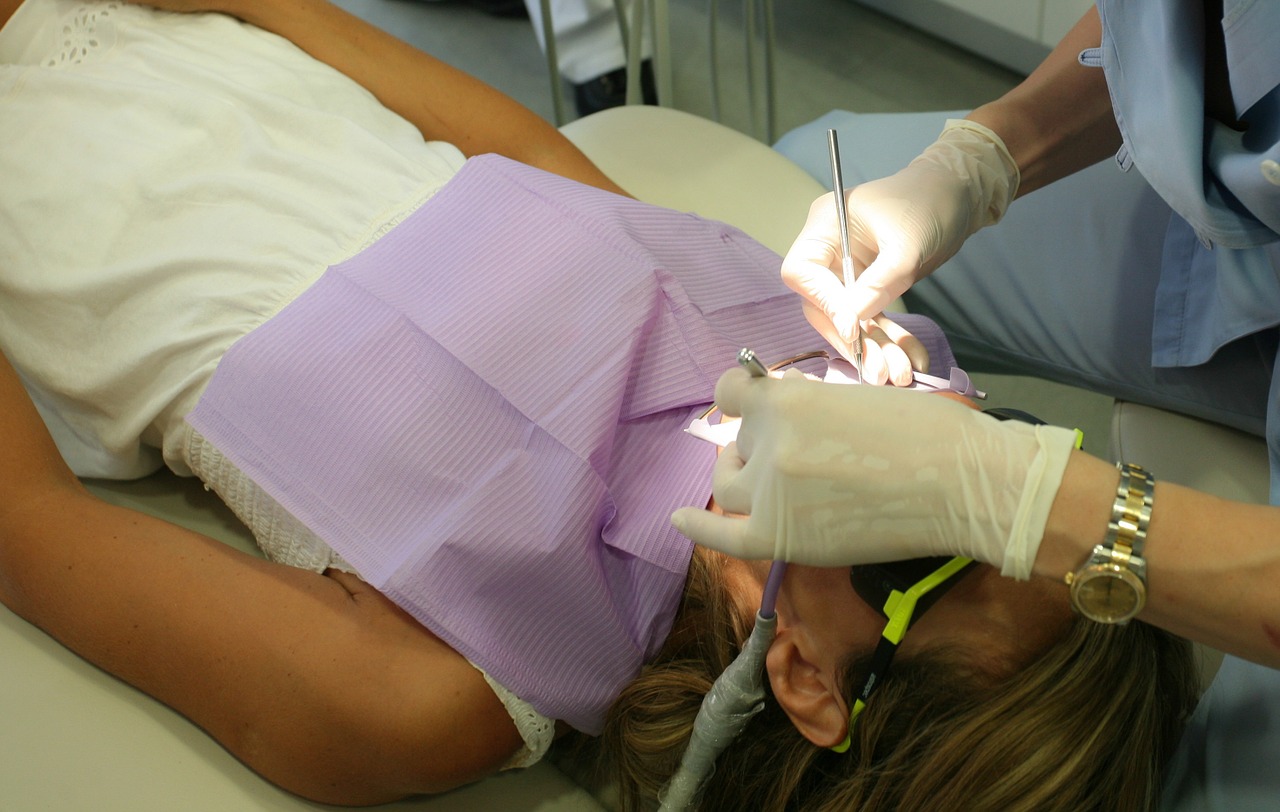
{"x": 1131, "y": 513}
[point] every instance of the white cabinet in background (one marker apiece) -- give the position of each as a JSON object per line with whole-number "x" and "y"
{"x": 1014, "y": 33}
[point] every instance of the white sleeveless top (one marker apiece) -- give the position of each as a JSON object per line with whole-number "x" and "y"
{"x": 188, "y": 159}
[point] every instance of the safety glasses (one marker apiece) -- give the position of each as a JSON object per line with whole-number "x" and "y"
{"x": 902, "y": 592}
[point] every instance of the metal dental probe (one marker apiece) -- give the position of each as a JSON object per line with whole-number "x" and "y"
{"x": 846, "y": 259}
{"x": 747, "y": 360}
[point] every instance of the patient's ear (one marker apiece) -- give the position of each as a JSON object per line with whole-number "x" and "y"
{"x": 808, "y": 692}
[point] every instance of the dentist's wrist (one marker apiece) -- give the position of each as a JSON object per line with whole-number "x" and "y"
{"x": 990, "y": 169}
{"x": 1078, "y": 519}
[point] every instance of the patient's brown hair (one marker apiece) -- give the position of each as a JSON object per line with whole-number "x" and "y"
{"x": 1088, "y": 723}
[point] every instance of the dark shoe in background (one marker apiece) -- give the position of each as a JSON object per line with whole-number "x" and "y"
{"x": 610, "y": 90}
{"x": 507, "y": 9}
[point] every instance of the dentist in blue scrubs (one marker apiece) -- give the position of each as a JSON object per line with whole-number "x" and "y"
{"x": 1146, "y": 267}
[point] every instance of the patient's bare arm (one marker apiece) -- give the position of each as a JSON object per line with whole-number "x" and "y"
{"x": 442, "y": 101}
{"x": 7, "y": 7}
{"x": 318, "y": 683}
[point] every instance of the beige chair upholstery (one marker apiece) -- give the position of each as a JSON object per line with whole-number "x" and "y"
{"x": 74, "y": 738}
{"x": 1191, "y": 452}
{"x": 684, "y": 162}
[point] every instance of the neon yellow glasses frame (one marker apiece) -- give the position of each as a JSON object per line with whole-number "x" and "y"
{"x": 900, "y": 609}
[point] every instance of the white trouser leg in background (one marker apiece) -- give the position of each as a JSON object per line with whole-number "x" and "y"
{"x": 588, "y": 39}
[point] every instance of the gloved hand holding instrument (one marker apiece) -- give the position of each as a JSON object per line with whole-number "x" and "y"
{"x": 901, "y": 229}
{"x": 832, "y": 475}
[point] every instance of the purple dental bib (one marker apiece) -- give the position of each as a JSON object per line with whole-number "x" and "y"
{"x": 483, "y": 413}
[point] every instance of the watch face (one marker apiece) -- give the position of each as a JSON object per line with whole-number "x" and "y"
{"x": 1108, "y": 593}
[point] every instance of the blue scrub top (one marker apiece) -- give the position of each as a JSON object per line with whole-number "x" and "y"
{"x": 1219, "y": 281}
{"x": 1219, "y": 277}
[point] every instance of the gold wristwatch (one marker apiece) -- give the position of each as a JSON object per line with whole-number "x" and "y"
{"x": 1111, "y": 587}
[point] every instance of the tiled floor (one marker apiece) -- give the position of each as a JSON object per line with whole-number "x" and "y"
{"x": 830, "y": 54}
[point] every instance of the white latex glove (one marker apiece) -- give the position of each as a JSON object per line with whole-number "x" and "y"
{"x": 833, "y": 475}
{"x": 901, "y": 228}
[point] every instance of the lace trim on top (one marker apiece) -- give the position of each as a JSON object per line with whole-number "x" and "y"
{"x": 281, "y": 537}
{"x": 285, "y": 540}
{"x": 537, "y": 731}
{"x": 84, "y": 31}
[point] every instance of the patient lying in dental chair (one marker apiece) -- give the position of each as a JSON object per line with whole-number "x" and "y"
{"x": 447, "y": 394}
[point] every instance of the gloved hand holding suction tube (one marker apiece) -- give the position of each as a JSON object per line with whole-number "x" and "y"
{"x": 833, "y": 475}
{"x": 901, "y": 228}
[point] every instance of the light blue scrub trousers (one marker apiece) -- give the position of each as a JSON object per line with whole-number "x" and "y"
{"x": 1063, "y": 288}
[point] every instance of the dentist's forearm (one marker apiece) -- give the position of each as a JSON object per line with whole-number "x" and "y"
{"x": 1213, "y": 566}
{"x": 1059, "y": 119}
{"x": 443, "y": 102}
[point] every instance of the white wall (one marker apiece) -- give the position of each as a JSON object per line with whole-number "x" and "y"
{"x": 1014, "y": 33}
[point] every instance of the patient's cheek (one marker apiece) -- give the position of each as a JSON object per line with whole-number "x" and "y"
{"x": 715, "y": 508}
{"x": 711, "y": 503}
{"x": 958, "y": 398}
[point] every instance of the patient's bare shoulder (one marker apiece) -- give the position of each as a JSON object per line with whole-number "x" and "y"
{"x": 319, "y": 684}
{"x": 415, "y": 713}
